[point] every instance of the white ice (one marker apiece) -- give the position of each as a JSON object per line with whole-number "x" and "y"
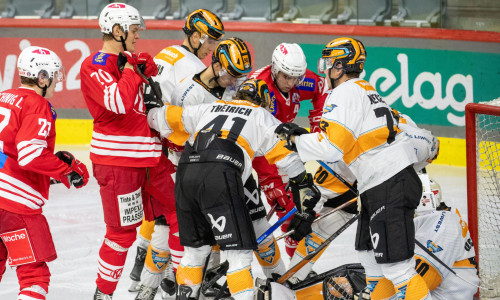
{"x": 77, "y": 225}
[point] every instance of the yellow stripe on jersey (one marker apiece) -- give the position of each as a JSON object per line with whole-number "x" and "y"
{"x": 429, "y": 273}
{"x": 277, "y": 153}
{"x": 365, "y": 85}
{"x": 468, "y": 263}
{"x": 341, "y": 137}
{"x": 240, "y": 141}
{"x": 368, "y": 141}
{"x": 170, "y": 55}
{"x": 173, "y": 116}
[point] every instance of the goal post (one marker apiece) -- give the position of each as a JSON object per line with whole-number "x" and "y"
{"x": 482, "y": 121}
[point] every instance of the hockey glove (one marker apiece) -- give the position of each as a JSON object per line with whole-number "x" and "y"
{"x": 142, "y": 63}
{"x": 77, "y": 174}
{"x": 305, "y": 193}
{"x": 150, "y": 101}
{"x": 301, "y": 224}
{"x": 285, "y": 130}
{"x": 275, "y": 192}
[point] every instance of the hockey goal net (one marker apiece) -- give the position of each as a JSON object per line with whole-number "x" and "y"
{"x": 483, "y": 191}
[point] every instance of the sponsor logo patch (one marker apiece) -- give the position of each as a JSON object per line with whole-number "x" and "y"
{"x": 100, "y": 58}
{"x": 19, "y": 247}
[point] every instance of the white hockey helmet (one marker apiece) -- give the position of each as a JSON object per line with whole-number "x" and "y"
{"x": 34, "y": 62}
{"x": 431, "y": 195}
{"x": 121, "y": 14}
{"x": 289, "y": 59}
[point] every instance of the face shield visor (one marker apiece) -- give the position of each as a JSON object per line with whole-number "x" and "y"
{"x": 228, "y": 81}
{"x": 58, "y": 76}
{"x": 210, "y": 41}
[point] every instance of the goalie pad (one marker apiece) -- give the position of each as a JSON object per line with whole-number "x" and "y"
{"x": 268, "y": 290}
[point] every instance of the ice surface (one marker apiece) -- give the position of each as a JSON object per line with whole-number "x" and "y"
{"x": 77, "y": 225}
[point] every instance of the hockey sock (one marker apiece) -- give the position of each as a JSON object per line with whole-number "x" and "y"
{"x": 381, "y": 288}
{"x": 239, "y": 274}
{"x": 190, "y": 271}
{"x": 145, "y": 232}
{"x": 413, "y": 289}
{"x": 111, "y": 261}
{"x": 269, "y": 257}
{"x": 214, "y": 259}
{"x": 157, "y": 257}
{"x": 176, "y": 249}
{"x": 306, "y": 246}
{"x": 290, "y": 246}
{"x": 33, "y": 292}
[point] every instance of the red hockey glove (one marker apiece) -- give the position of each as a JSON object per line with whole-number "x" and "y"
{"x": 314, "y": 122}
{"x": 77, "y": 174}
{"x": 150, "y": 68}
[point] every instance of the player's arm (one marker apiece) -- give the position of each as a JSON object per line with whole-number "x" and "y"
{"x": 271, "y": 183}
{"x": 34, "y": 155}
{"x": 318, "y": 100}
{"x": 113, "y": 94}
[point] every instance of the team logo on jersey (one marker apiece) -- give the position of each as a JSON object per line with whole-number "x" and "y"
{"x": 53, "y": 111}
{"x": 308, "y": 84}
{"x": 295, "y": 98}
{"x": 273, "y": 105}
{"x": 215, "y": 223}
{"x": 433, "y": 247}
{"x": 328, "y": 108}
{"x": 100, "y": 58}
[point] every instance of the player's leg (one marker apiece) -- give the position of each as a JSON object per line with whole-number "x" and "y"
{"x": 3, "y": 259}
{"x": 123, "y": 197}
{"x": 169, "y": 283}
{"x": 143, "y": 240}
{"x": 390, "y": 207}
{"x": 28, "y": 234}
{"x": 190, "y": 271}
{"x": 239, "y": 274}
{"x": 380, "y": 288}
{"x": 157, "y": 258}
{"x": 321, "y": 230}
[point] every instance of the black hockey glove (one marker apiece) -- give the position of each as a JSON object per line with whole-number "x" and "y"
{"x": 305, "y": 193}
{"x": 150, "y": 101}
{"x": 301, "y": 224}
{"x": 285, "y": 130}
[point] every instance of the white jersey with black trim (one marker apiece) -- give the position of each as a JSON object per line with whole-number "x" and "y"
{"x": 252, "y": 126}
{"x": 425, "y": 144}
{"x": 446, "y": 235}
{"x": 174, "y": 64}
{"x": 358, "y": 127}
{"x": 329, "y": 186}
{"x": 192, "y": 91}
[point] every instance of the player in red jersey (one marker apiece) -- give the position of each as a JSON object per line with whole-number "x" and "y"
{"x": 27, "y": 162}
{"x": 289, "y": 82}
{"x": 123, "y": 146}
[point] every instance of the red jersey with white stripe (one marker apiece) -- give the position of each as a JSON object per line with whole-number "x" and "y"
{"x": 121, "y": 135}
{"x": 27, "y": 139}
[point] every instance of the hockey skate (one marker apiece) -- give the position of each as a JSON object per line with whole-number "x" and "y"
{"x": 135, "y": 275}
{"x": 146, "y": 293}
{"x": 169, "y": 283}
{"x": 98, "y": 295}
{"x": 210, "y": 287}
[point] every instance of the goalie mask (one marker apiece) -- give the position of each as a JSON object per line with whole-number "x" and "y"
{"x": 121, "y": 14}
{"x": 290, "y": 60}
{"x": 40, "y": 63}
{"x": 257, "y": 89}
{"x": 431, "y": 196}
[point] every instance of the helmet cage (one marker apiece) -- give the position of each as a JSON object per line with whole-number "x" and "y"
{"x": 431, "y": 196}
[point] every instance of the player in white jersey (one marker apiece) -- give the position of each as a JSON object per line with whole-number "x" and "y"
{"x": 445, "y": 234}
{"x": 203, "y": 29}
{"x": 209, "y": 190}
{"x": 358, "y": 127}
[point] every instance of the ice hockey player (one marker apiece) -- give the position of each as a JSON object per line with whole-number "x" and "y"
{"x": 209, "y": 191}
{"x": 358, "y": 127}
{"x": 335, "y": 193}
{"x": 290, "y": 83}
{"x": 27, "y": 163}
{"x": 123, "y": 146}
{"x": 202, "y": 30}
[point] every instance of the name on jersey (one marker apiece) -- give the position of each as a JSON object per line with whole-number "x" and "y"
{"x": 306, "y": 85}
{"x": 10, "y": 99}
{"x": 246, "y": 111}
{"x": 100, "y": 58}
{"x": 440, "y": 222}
{"x": 375, "y": 98}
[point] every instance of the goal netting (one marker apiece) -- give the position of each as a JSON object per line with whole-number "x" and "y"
{"x": 483, "y": 191}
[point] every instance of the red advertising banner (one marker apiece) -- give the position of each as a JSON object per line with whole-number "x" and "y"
{"x": 72, "y": 53}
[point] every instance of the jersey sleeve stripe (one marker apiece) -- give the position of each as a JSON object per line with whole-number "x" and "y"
{"x": 173, "y": 116}
{"x": 29, "y": 150}
{"x": 17, "y": 191}
{"x": 113, "y": 100}
{"x": 277, "y": 153}
{"x": 368, "y": 141}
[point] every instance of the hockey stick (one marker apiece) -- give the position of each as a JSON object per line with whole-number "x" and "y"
{"x": 318, "y": 250}
{"x": 276, "y": 225}
{"x": 340, "y": 178}
{"x": 444, "y": 265}
{"x": 321, "y": 217}
{"x": 271, "y": 211}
